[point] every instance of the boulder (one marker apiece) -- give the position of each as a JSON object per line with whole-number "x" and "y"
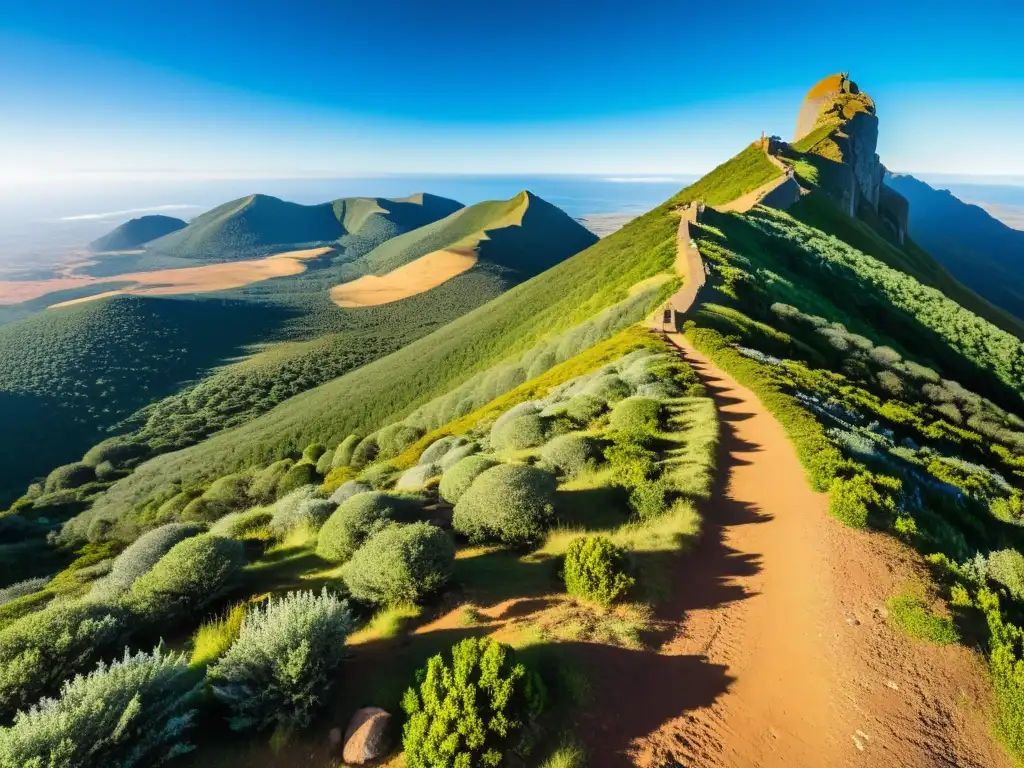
{"x": 368, "y": 736}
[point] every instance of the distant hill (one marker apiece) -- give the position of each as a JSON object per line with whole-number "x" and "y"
{"x": 137, "y": 232}
{"x": 981, "y": 251}
{"x": 260, "y": 224}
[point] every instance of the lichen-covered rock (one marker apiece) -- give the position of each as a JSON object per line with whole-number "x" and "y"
{"x": 368, "y": 736}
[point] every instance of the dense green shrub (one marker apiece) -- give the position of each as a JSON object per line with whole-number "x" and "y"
{"x": 115, "y": 450}
{"x": 417, "y": 477}
{"x": 400, "y": 564}
{"x": 471, "y": 709}
{"x": 284, "y": 660}
{"x": 519, "y": 433}
{"x": 1006, "y": 566}
{"x": 359, "y": 516}
{"x": 303, "y": 473}
{"x": 583, "y": 409}
{"x": 595, "y": 569}
{"x": 608, "y": 387}
{"x": 264, "y": 485}
{"x": 636, "y": 414}
{"x": 325, "y": 463}
{"x": 133, "y": 712}
{"x": 457, "y": 454}
{"x": 243, "y": 525}
{"x": 139, "y": 557}
{"x": 69, "y": 476}
{"x": 436, "y": 451}
{"x": 301, "y": 507}
{"x": 343, "y": 453}
{"x": 631, "y": 457}
{"x": 42, "y": 649}
{"x": 189, "y": 577}
{"x": 228, "y": 493}
{"x": 456, "y": 480}
{"x": 313, "y": 452}
{"x": 647, "y": 499}
{"x": 22, "y": 588}
{"x": 911, "y": 615}
{"x": 395, "y": 438}
{"x": 571, "y": 454}
{"x": 379, "y": 476}
{"x": 364, "y": 452}
{"x": 853, "y": 499}
{"x": 527, "y": 408}
{"x": 510, "y": 503}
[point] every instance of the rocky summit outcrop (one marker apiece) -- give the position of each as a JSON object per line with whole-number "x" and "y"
{"x": 837, "y": 122}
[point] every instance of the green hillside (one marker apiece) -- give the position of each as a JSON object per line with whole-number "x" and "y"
{"x": 69, "y": 375}
{"x": 979, "y": 250}
{"x": 136, "y": 232}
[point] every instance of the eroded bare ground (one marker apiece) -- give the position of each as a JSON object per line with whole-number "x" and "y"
{"x": 776, "y": 650}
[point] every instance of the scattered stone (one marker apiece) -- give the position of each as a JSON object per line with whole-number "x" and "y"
{"x": 368, "y": 736}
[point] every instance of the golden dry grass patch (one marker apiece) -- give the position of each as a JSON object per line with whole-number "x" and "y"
{"x": 416, "y": 277}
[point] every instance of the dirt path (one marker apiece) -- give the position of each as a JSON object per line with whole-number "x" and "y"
{"x": 790, "y": 604}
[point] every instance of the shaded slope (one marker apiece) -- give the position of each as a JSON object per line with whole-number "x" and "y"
{"x": 980, "y": 251}
{"x": 136, "y": 232}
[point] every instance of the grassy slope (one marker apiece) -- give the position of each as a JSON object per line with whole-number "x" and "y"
{"x": 734, "y": 178}
{"x": 381, "y": 391}
{"x": 134, "y": 233}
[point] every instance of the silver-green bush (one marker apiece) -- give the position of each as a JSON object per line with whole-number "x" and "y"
{"x": 343, "y": 453}
{"x": 437, "y": 450}
{"x": 583, "y": 409}
{"x": 241, "y": 525}
{"x": 41, "y": 650}
{"x": 133, "y": 712}
{"x": 400, "y": 564}
{"x": 456, "y": 480}
{"x": 22, "y": 588}
{"x": 346, "y": 529}
{"x": 519, "y": 433}
{"x": 395, "y": 438}
{"x": 301, "y": 507}
{"x": 636, "y": 414}
{"x": 140, "y": 556}
{"x": 189, "y": 577}
{"x": 571, "y": 454}
{"x": 347, "y": 490}
{"x": 510, "y": 503}
{"x": 457, "y": 454}
{"x": 1006, "y": 566}
{"x": 417, "y": 477}
{"x": 283, "y": 661}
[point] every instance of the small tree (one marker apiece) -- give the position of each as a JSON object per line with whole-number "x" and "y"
{"x": 595, "y": 569}
{"x": 400, "y": 564}
{"x": 134, "y": 712}
{"x": 471, "y": 710}
{"x": 284, "y": 660}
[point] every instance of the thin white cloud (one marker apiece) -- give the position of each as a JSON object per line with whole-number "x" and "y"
{"x": 115, "y": 214}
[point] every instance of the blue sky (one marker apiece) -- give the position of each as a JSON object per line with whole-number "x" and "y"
{"x": 225, "y": 89}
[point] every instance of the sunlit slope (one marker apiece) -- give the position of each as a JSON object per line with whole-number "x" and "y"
{"x": 136, "y": 232}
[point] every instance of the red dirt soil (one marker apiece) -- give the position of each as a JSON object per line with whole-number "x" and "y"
{"x": 778, "y": 652}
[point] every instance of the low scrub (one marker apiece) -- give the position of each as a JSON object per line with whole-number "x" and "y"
{"x": 284, "y": 660}
{"x": 400, "y": 564}
{"x": 215, "y": 636}
{"x": 139, "y": 558}
{"x": 636, "y": 414}
{"x": 302, "y": 508}
{"x": 133, "y": 712}
{"x": 909, "y": 614}
{"x": 571, "y": 454}
{"x": 457, "y": 480}
{"x": 193, "y": 574}
{"x": 521, "y": 432}
{"x": 509, "y": 503}
{"x": 595, "y": 569}
{"x": 361, "y": 515}
{"x": 470, "y": 709}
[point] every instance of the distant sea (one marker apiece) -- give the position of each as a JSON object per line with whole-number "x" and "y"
{"x": 39, "y": 227}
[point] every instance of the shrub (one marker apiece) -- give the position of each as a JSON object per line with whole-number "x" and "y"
{"x": 457, "y": 454}
{"x": 250, "y": 524}
{"x": 471, "y": 709}
{"x": 284, "y": 660}
{"x": 347, "y": 490}
{"x": 353, "y": 521}
{"x": 631, "y": 458}
{"x": 436, "y": 451}
{"x": 379, "y": 476}
{"x": 510, "y": 503}
{"x": 608, "y": 387}
{"x": 300, "y": 507}
{"x": 400, "y": 564}
{"x": 139, "y": 558}
{"x": 519, "y": 433}
{"x": 364, "y": 452}
{"x": 520, "y": 409}
{"x": 69, "y": 476}
{"x": 1006, "y": 566}
{"x": 264, "y": 485}
{"x": 852, "y": 500}
{"x": 636, "y": 414}
{"x": 115, "y": 450}
{"x": 42, "y": 649}
{"x": 228, "y": 493}
{"x": 313, "y": 452}
{"x": 215, "y": 636}
{"x": 417, "y": 477}
{"x": 324, "y": 463}
{"x": 395, "y": 438}
{"x": 456, "y": 480}
{"x": 189, "y": 577}
{"x": 571, "y": 454}
{"x": 595, "y": 569}
{"x": 174, "y": 507}
{"x": 583, "y": 409}
{"x": 105, "y": 472}
{"x": 343, "y": 453}
{"x": 297, "y": 476}
{"x": 647, "y": 499}
{"x": 133, "y": 712}
{"x": 22, "y": 588}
